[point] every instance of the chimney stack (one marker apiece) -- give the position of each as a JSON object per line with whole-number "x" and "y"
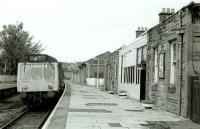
{"x": 172, "y": 11}
{"x": 140, "y": 30}
{"x": 163, "y": 10}
{"x": 166, "y": 13}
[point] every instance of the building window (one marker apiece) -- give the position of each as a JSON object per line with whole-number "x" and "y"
{"x": 126, "y": 77}
{"x": 129, "y": 75}
{"x": 137, "y": 76}
{"x": 144, "y": 52}
{"x": 161, "y": 65}
{"x": 173, "y": 63}
{"x": 139, "y": 53}
{"x": 155, "y": 65}
{"x": 115, "y": 65}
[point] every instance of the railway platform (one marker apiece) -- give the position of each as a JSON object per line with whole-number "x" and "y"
{"x": 8, "y": 85}
{"x": 91, "y": 108}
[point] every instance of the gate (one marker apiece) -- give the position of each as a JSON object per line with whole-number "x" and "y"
{"x": 195, "y": 101}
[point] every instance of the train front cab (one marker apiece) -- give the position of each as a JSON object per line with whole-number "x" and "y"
{"x": 38, "y": 79}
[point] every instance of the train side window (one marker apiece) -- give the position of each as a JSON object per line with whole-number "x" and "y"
{"x": 49, "y": 72}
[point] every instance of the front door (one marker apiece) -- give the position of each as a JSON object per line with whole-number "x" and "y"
{"x": 142, "y": 84}
{"x": 195, "y": 104}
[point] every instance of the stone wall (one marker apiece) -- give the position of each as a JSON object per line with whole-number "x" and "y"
{"x": 174, "y": 98}
{"x": 111, "y": 64}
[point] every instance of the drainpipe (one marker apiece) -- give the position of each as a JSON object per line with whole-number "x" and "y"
{"x": 180, "y": 33}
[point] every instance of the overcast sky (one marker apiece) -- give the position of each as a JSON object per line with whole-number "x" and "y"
{"x": 76, "y": 30}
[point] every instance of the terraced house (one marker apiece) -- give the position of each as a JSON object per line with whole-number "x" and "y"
{"x": 91, "y": 72}
{"x": 173, "y": 61}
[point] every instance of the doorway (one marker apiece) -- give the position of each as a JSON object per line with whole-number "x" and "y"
{"x": 195, "y": 103}
{"x": 142, "y": 80}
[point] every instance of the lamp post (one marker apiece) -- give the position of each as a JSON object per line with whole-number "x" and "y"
{"x": 98, "y": 74}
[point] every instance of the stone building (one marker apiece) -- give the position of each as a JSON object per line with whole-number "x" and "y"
{"x": 88, "y": 70}
{"x": 173, "y": 61}
{"x": 73, "y": 68}
{"x": 111, "y": 63}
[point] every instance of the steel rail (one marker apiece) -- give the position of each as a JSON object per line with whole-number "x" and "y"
{"x": 44, "y": 119}
{"x": 8, "y": 124}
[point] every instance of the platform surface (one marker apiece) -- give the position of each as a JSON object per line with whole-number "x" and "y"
{"x": 58, "y": 117}
{"x": 91, "y": 108}
{"x": 4, "y": 86}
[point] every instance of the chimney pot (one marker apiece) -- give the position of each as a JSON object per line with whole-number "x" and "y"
{"x": 163, "y": 10}
{"x": 140, "y": 31}
{"x": 164, "y": 15}
{"x": 168, "y": 10}
{"x": 172, "y": 10}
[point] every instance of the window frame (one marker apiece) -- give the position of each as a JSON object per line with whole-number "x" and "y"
{"x": 173, "y": 54}
{"x": 156, "y": 65}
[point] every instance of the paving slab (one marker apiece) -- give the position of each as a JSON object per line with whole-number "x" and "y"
{"x": 91, "y": 108}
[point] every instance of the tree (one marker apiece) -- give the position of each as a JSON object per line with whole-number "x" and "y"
{"x": 15, "y": 43}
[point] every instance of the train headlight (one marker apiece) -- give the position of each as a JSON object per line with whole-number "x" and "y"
{"x": 24, "y": 88}
{"x": 50, "y": 87}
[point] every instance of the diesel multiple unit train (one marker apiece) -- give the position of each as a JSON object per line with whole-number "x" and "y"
{"x": 39, "y": 78}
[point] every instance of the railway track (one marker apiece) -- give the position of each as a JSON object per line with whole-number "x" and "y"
{"x": 28, "y": 120}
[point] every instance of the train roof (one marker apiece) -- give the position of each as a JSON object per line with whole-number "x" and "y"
{"x": 39, "y": 58}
